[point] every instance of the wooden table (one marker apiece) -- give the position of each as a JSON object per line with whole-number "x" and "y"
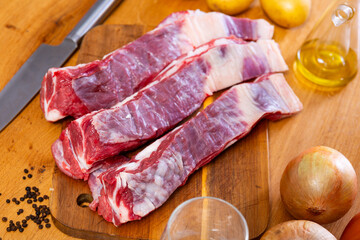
{"x": 25, "y": 24}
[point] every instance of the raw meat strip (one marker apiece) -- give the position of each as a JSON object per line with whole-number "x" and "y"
{"x": 136, "y": 188}
{"x": 174, "y": 95}
{"x": 75, "y": 91}
{"x": 94, "y": 181}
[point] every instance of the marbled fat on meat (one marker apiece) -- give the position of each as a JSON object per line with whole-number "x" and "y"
{"x": 75, "y": 91}
{"x": 136, "y": 188}
{"x": 176, "y": 93}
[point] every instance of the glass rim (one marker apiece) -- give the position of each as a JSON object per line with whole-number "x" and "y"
{"x": 178, "y": 208}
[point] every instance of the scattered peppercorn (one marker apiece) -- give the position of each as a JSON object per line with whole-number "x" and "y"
{"x": 32, "y": 168}
{"x": 41, "y": 211}
{"x": 26, "y": 171}
{"x": 24, "y": 177}
{"x": 29, "y": 175}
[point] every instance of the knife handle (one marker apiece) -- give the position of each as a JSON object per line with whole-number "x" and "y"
{"x": 97, "y": 13}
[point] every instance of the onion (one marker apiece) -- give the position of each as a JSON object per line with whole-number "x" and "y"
{"x": 352, "y": 230}
{"x": 319, "y": 185}
{"x": 298, "y": 229}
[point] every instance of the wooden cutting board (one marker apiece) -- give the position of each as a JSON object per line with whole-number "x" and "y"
{"x": 238, "y": 175}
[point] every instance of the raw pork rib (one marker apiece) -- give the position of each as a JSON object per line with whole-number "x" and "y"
{"x": 136, "y": 188}
{"x": 75, "y": 91}
{"x": 173, "y": 96}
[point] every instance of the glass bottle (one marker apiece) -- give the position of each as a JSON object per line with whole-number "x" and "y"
{"x": 329, "y": 56}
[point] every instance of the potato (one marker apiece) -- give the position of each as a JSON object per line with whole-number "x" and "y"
{"x": 287, "y": 13}
{"x": 231, "y": 7}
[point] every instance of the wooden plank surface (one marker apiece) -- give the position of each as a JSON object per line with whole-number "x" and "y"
{"x": 239, "y": 175}
{"x": 329, "y": 118}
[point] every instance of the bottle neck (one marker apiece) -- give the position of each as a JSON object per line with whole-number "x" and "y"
{"x": 342, "y": 14}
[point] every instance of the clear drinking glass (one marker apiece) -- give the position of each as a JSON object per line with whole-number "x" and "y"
{"x": 206, "y": 218}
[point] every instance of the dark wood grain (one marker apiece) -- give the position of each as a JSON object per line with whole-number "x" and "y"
{"x": 239, "y": 175}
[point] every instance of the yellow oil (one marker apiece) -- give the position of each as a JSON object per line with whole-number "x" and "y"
{"x": 326, "y": 64}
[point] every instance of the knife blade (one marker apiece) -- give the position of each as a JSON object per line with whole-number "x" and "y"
{"x": 25, "y": 84}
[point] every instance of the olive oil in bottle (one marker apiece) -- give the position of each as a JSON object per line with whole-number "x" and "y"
{"x": 326, "y": 64}
{"x": 329, "y": 56}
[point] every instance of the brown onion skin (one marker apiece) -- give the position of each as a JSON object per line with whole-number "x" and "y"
{"x": 352, "y": 230}
{"x": 319, "y": 185}
{"x": 298, "y": 229}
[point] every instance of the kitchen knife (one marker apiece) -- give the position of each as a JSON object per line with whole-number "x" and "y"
{"x": 27, "y": 81}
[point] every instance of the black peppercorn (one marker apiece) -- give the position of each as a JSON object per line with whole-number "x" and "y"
{"x": 41, "y": 226}
{"x": 7, "y": 200}
{"x": 26, "y": 171}
{"x": 29, "y": 175}
{"x": 4, "y": 219}
{"x": 24, "y": 177}
{"x": 46, "y": 220}
{"x": 48, "y": 225}
{"x": 29, "y": 201}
